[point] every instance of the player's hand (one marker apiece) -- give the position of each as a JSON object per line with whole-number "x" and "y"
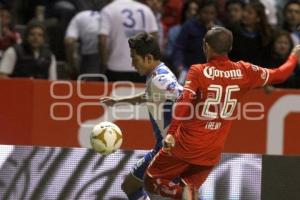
{"x": 296, "y": 51}
{"x": 168, "y": 143}
{"x": 108, "y": 101}
{"x": 269, "y": 89}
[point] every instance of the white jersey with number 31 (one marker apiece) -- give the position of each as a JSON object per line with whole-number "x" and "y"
{"x": 120, "y": 20}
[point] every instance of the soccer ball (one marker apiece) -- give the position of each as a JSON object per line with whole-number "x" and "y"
{"x": 106, "y": 138}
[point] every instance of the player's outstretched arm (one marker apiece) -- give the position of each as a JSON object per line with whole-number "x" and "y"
{"x": 282, "y": 73}
{"x": 182, "y": 110}
{"x": 136, "y": 99}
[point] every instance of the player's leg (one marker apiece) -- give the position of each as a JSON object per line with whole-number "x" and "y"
{"x": 193, "y": 178}
{"x": 133, "y": 188}
{"x": 133, "y": 183}
{"x": 160, "y": 173}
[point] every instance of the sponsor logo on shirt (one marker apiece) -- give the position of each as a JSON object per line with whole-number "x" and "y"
{"x": 212, "y": 73}
{"x": 171, "y": 87}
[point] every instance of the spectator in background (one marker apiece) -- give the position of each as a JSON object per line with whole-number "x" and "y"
{"x": 234, "y": 12}
{"x": 83, "y": 29}
{"x": 281, "y": 49}
{"x": 172, "y": 10}
{"x": 157, "y": 8}
{"x": 62, "y": 11}
{"x": 32, "y": 59}
{"x": 280, "y": 4}
{"x": 82, "y": 5}
{"x": 271, "y": 11}
{"x": 189, "y": 10}
{"x": 188, "y": 45}
{"x": 8, "y": 3}
{"x": 25, "y": 10}
{"x": 120, "y": 20}
{"x": 8, "y": 36}
{"x": 253, "y": 36}
{"x": 291, "y": 14}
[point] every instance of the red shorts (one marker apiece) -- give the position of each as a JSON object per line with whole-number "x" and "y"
{"x": 167, "y": 166}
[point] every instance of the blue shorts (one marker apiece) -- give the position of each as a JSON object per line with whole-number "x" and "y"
{"x": 141, "y": 165}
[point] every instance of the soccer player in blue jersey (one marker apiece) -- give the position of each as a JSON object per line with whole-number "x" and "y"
{"x": 162, "y": 89}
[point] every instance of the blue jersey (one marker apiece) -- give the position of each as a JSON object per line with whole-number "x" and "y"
{"x": 162, "y": 90}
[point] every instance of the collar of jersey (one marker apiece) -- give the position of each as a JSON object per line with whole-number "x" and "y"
{"x": 152, "y": 72}
{"x": 219, "y": 58}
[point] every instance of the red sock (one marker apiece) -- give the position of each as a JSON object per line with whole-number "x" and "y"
{"x": 163, "y": 187}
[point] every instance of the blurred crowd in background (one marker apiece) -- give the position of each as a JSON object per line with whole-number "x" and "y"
{"x": 62, "y": 39}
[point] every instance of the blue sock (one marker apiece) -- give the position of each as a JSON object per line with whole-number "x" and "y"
{"x": 140, "y": 194}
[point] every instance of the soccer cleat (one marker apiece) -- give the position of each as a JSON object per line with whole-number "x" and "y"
{"x": 190, "y": 193}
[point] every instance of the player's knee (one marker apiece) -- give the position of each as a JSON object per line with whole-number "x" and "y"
{"x": 149, "y": 184}
{"x": 131, "y": 185}
{"x": 126, "y": 187}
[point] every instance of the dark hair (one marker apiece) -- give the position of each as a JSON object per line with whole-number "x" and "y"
{"x": 144, "y": 43}
{"x": 35, "y": 24}
{"x": 285, "y": 23}
{"x": 7, "y": 8}
{"x": 205, "y": 3}
{"x": 289, "y": 3}
{"x": 219, "y": 39}
{"x": 230, "y": 2}
{"x": 279, "y": 33}
{"x": 263, "y": 26}
{"x": 185, "y": 8}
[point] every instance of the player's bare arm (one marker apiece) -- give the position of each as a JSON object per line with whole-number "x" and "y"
{"x": 136, "y": 99}
{"x": 72, "y": 62}
{"x": 103, "y": 52}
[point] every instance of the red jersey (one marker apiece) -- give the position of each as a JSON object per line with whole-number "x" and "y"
{"x": 212, "y": 92}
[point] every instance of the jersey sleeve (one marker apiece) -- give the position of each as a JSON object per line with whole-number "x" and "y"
{"x": 73, "y": 29}
{"x": 8, "y": 62}
{"x": 192, "y": 80}
{"x": 258, "y": 76}
{"x": 105, "y": 23}
{"x": 282, "y": 73}
{"x": 166, "y": 86}
{"x": 152, "y": 25}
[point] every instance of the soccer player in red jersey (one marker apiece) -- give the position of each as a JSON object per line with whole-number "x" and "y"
{"x": 203, "y": 116}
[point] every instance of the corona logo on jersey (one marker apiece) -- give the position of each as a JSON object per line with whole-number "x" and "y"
{"x": 212, "y": 72}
